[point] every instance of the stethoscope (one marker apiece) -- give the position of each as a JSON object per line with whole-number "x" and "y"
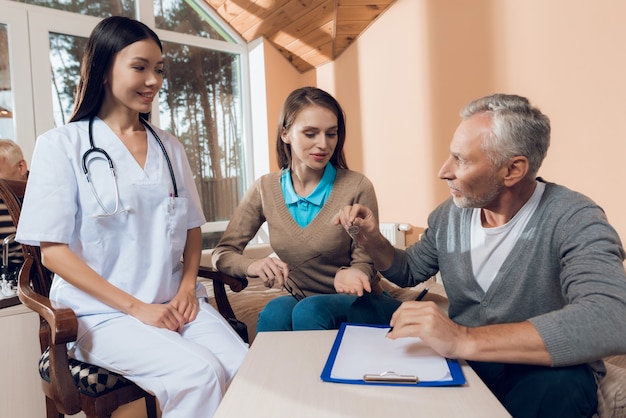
{"x": 94, "y": 149}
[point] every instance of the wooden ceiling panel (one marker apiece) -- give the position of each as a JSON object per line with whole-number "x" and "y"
{"x": 295, "y": 60}
{"x": 227, "y": 11}
{"x": 256, "y": 14}
{"x": 276, "y": 18}
{"x": 308, "y": 33}
{"x": 349, "y": 28}
{"x": 312, "y": 22}
{"x": 318, "y": 56}
{"x": 367, "y": 12}
{"x": 321, "y": 36}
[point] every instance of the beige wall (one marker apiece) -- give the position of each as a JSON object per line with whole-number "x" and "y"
{"x": 404, "y": 80}
{"x": 281, "y": 78}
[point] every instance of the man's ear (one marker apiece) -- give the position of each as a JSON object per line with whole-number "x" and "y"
{"x": 23, "y": 168}
{"x": 517, "y": 168}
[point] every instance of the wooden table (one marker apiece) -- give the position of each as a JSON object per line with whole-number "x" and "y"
{"x": 280, "y": 377}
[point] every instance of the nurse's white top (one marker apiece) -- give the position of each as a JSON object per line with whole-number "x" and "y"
{"x": 138, "y": 249}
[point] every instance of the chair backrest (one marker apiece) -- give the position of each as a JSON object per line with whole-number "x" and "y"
{"x": 39, "y": 278}
{"x": 12, "y": 193}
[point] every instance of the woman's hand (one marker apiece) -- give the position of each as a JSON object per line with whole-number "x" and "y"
{"x": 270, "y": 270}
{"x": 352, "y": 281}
{"x": 186, "y": 303}
{"x": 160, "y": 316}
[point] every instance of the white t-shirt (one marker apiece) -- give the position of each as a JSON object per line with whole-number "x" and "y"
{"x": 491, "y": 246}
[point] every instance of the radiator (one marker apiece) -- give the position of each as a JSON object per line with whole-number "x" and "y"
{"x": 395, "y": 233}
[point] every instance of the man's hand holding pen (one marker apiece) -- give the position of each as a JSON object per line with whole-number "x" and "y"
{"x": 425, "y": 320}
{"x": 422, "y": 294}
{"x": 417, "y": 299}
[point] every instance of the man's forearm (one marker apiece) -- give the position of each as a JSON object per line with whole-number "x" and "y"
{"x": 506, "y": 343}
{"x": 380, "y": 251}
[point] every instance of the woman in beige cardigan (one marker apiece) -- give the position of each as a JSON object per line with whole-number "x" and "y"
{"x": 318, "y": 264}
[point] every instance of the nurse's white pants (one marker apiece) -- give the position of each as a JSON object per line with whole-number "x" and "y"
{"x": 187, "y": 372}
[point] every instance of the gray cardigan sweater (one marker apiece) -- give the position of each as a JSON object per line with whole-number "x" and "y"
{"x": 565, "y": 275}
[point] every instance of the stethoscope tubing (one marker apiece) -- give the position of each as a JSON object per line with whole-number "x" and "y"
{"x": 94, "y": 149}
{"x": 167, "y": 157}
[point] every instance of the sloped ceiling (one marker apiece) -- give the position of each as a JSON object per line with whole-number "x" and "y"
{"x": 308, "y": 33}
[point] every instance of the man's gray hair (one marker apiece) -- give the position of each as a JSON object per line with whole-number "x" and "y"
{"x": 517, "y": 128}
{"x": 10, "y": 151}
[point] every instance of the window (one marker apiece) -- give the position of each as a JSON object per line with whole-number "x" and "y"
{"x": 204, "y": 94}
{"x": 88, "y": 7}
{"x": 187, "y": 17}
{"x": 15, "y": 76}
{"x": 65, "y": 55}
{"x": 6, "y": 102}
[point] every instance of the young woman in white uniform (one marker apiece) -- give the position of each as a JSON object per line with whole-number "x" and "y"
{"x": 116, "y": 242}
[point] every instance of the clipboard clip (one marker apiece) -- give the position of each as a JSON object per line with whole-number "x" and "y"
{"x": 390, "y": 377}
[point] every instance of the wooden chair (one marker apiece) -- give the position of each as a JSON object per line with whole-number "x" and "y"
{"x": 221, "y": 299}
{"x": 70, "y": 386}
{"x": 65, "y": 391}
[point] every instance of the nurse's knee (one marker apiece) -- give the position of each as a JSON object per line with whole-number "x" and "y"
{"x": 196, "y": 384}
{"x": 201, "y": 373}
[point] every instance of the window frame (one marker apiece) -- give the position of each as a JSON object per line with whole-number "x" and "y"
{"x": 15, "y": 18}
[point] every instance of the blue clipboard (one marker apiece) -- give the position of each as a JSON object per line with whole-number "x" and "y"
{"x": 387, "y": 378}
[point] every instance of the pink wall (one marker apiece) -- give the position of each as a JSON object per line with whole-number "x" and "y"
{"x": 404, "y": 80}
{"x": 281, "y": 78}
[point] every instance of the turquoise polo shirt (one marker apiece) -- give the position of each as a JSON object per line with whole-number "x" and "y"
{"x": 304, "y": 209}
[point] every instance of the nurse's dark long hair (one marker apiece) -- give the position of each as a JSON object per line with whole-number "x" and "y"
{"x": 298, "y": 100}
{"x": 109, "y": 37}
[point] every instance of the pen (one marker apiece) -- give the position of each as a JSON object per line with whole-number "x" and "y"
{"x": 418, "y": 298}
{"x": 422, "y": 294}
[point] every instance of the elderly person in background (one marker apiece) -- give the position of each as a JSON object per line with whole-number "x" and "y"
{"x": 13, "y": 166}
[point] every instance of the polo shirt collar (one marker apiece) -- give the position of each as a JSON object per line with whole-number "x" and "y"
{"x": 318, "y": 195}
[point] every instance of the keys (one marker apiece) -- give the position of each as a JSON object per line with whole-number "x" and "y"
{"x": 353, "y": 231}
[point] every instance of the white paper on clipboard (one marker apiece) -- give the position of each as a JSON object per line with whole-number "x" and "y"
{"x": 366, "y": 350}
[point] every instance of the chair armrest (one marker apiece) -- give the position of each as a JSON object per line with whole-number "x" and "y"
{"x": 61, "y": 320}
{"x": 236, "y": 284}
{"x": 58, "y": 326}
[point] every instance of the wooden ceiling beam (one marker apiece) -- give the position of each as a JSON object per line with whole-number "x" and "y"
{"x": 279, "y": 18}
{"x": 308, "y": 33}
{"x": 311, "y": 22}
